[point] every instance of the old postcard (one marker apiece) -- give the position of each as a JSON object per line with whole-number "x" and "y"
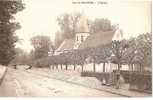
{"x": 75, "y": 48}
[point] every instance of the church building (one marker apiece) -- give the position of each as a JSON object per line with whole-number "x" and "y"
{"x": 83, "y": 38}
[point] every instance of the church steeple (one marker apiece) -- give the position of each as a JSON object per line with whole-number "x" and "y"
{"x": 82, "y": 25}
{"x": 118, "y": 34}
{"x": 82, "y": 32}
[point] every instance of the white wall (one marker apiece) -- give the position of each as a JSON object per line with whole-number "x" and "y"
{"x": 79, "y": 35}
{"x": 109, "y": 67}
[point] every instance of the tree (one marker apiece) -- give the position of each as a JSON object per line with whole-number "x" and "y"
{"x": 100, "y": 54}
{"x": 41, "y": 45}
{"x": 16, "y": 59}
{"x": 56, "y": 60}
{"x": 21, "y": 57}
{"x": 144, "y": 50}
{"x": 130, "y": 52}
{"x": 103, "y": 54}
{"x": 74, "y": 58}
{"x": 92, "y": 54}
{"x": 139, "y": 51}
{"x": 52, "y": 61}
{"x": 65, "y": 59}
{"x": 68, "y": 23}
{"x": 81, "y": 57}
{"x": 7, "y": 28}
{"x": 101, "y": 25}
{"x": 60, "y": 60}
{"x": 118, "y": 50}
{"x": 58, "y": 39}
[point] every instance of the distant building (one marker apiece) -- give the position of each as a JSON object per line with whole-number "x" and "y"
{"x": 82, "y": 32}
{"x": 83, "y": 38}
{"x": 66, "y": 46}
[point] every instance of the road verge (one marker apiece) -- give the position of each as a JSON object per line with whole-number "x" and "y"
{"x": 3, "y": 70}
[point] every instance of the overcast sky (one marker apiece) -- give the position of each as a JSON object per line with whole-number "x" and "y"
{"x": 39, "y": 16}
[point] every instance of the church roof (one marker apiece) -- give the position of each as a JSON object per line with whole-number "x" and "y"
{"x": 97, "y": 39}
{"x": 94, "y": 40}
{"x": 118, "y": 35}
{"x": 67, "y": 44}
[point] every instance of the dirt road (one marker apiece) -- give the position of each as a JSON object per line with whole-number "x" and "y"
{"x": 18, "y": 83}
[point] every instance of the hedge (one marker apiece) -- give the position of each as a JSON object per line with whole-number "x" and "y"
{"x": 100, "y": 76}
{"x": 141, "y": 82}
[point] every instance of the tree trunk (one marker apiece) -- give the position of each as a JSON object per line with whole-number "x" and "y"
{"x": 129, "y": 67}
{"x": 82, "y": 68}
{"x": 118, "y": 77}
{"x": 53, "y": 67}
{"x": 130, "y": 72}
{"x": 57, "y": 66}
{"x": 94, "y": 67}
{"x": 118, "y": 67}
{"x": 74, "y": 66}
{"x": 61, "y": 66}
{"x": 66, "y": 66}
{"x": 50, "y": 67}
{"x": 103, "y": 67}
{"x": 141, "y": 67}
{"x": 132, "y": 67}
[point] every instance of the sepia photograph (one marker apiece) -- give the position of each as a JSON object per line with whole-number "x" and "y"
{"x": 76, "y": 48}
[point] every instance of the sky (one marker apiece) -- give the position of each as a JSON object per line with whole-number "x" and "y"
{"x": 39, "y": 16}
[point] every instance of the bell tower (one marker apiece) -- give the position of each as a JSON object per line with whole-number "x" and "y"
{"x": 118, "y": 34}
{"x": 82, "y": 32}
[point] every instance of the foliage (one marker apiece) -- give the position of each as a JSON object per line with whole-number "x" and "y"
{"x": 81, "y": 56}
{"x": 42, "y": 45}
{"x": 101, "y": 25}
{"x": 100, "y": 76}
{"x": 141, "y": 82}
{"x": 118, "y": 51}
{"x": 42, "y": 62}
{"x": 144, "y": 49}
{"x": 74, "y": 57}
{"x": 58, "y": 39}
{"x": 68, "y": 26}
{"x": 68, "y": 23}
{"x": 7, "y": 28}
{"x": 139, "y": 50}
{"x": 130, "y": 51}
{"x": 102, "y": 53}
{"x": 20, "y": 57}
